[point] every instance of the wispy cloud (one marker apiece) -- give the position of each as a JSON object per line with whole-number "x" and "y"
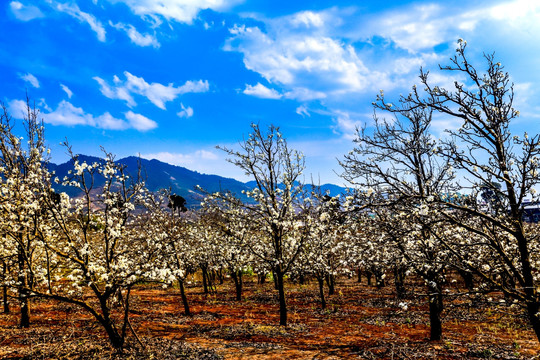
{"x": 184, "y": 11}
{"x": 346, "y": 123}
{"x": 66, "y": 114}
{"x": 31, "y": 79}
{"x": 204, "y": 161}
{"x": 186, "y": 112}
{"x": 25, "y": 12}
{"x": 303, "y": 111}
{"x": 136, "y": 37}
{"x": 83, "y": 17}
{"x": 158, "y": 94}
{"x": 67, "y": 90}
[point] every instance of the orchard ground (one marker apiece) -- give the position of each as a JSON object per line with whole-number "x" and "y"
{"x": 360, "y": 322}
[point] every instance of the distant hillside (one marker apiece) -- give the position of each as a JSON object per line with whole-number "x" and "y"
{"x": 159, "y": 175}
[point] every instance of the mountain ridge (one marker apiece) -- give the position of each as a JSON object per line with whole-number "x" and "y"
{"x": 161, "y": 175}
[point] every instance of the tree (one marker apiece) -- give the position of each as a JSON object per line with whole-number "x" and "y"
{"x": 275, "y": 169}
{"x": 96, "y": 246}
{"x": 24, "y": 189}
{"x": 224, "y": 218}
{"x": 398, "y": 166}
{"x": 176, "y": 237}
{"x": 322, "y": 255}
{"x": 486, "y": 152}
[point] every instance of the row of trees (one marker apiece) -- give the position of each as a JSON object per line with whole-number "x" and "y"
{"x": 456, "y": 202}
{"x": 421, "y": 205}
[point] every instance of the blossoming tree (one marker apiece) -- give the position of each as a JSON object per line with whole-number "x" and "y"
{"x": 272, "y": 213}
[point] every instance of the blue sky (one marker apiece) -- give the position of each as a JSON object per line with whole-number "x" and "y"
{"x": 171, "y": 79}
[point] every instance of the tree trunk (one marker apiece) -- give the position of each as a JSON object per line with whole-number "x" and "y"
{"x": 274, "y": 276}
{"x": 282, "y": 302}
{"x": 115, "y": 338}
{"x": 22, "y": 289}
{"x": 237, "y": 278}
{"x": 359, "y": 275}
{"x": 435, "y": 310}
{"x": 187, "y": 312}
{"x": 261, "y": 278}
{"x": 368, "y": 275}
{"x": 399, "y": 279}
{"x": 5, "y": 289}
{"x": 532, "y": 310}
{"x": 320, "y": 279}
{"x": 220, "y": 276}
{"x": 205, "y": 279}
{"x": 331, "y": 282}
{"x": 467, "y": 277}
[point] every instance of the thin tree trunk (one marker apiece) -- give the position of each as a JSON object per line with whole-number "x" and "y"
{"x": 237, "y": 278}
{"x": 331, "y": 282}
{"x": 187, "y": 312}
{"x": 22, "y": 289}
{"x": 368, "y": 275}
{"x": 359, "y": 275}
{"x": 467, "y": 277}
{"x": 276, "y": 285}
{"x": 435, "y": 310}
{"x": 320, "y": 279}
{"x": 48, "y": 271}
{"x": 5, "y": 289}
{"x": 282, "y": 301}
{"x": 220, "y": 276}
{"x": 205, "y": 279}
{"x": 399, "y": 280}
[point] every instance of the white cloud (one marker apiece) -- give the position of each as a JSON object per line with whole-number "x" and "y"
{"x": 66, "y": 114}
{"x": 303, "y": 94}
{"x": 67, "y": 90}
{"x": 306, "y": 56}
{"x": 320, "y": 63}
{"x": 136, "y": 37}
{"x": 42, "y": 104}
{"x": 74, "y": 11}
{"x": 194, "y": 87}
{"x": 29, "y": 78}
{"x": 17, "y": 108}
{"x": 184, "y": 11}
{"x": 261, "y": 91}
{"x": 156, "y": 93}
{"x": 185, "y": 112}
{"x": 419, "y": 27}
{"x": 345, "y": 123}
{"x": 120, "y": 93}
{"x": 303, "y": 111}
{"x": 308, "y": 19}
{"x": 140, "y": 122}
{"x": 516, "y": 11}
{"x": 25, "y": 12}
{"x": 197, "y": 160}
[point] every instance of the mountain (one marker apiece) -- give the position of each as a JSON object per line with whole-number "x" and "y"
{"x": 159, "y": 175}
